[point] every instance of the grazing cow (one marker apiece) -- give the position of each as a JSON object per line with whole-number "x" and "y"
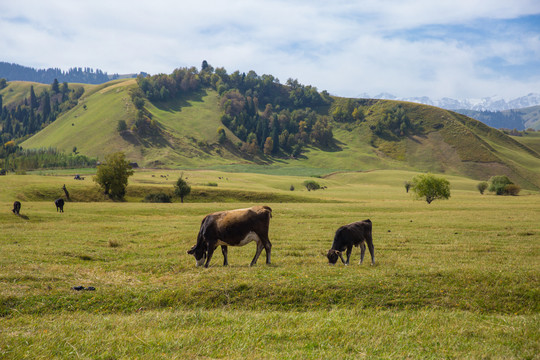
{"x": 357, "y": 234}
{"x": 233, "y": 228}
{"x": 16, "y": 207}
{"x": 59, "y": 204}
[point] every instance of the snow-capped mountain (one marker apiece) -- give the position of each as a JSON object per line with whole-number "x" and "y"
{"x": 493, "y": 103}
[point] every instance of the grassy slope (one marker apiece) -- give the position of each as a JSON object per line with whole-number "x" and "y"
{"x": 92, "y": 130}
{"x": 531, "y": 140}
{"x": 445, "y": 285}
{"x": 17, "y": 91}
{"x": 187, "y": 125}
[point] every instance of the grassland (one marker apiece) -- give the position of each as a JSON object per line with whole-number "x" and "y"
{"x": 453, "y": 279}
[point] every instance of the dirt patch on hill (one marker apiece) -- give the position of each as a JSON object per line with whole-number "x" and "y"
{"x": 431, "y": 152}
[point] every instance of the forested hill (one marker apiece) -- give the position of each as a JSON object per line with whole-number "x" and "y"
{"x": 14, "y": 72}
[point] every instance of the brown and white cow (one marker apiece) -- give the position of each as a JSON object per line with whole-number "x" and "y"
{"x": 357, "y": 234}
{"x": 233, "y": 228}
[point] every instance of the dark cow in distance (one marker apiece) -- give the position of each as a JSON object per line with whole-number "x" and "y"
{"x": 16, "y": 207}
{"x": 357, "y": 234}
{"x": 59, "y": 205}
{"x": 233, "y": 228}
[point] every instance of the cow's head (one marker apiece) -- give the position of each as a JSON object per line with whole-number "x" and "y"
{"x": 332, "y": 256}
{"x": 199, "y": 252}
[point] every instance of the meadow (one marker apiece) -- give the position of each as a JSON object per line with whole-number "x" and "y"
{"x": 454, "y": 279}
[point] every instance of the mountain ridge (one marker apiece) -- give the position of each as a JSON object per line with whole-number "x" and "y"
{"x": 492, "y": 103}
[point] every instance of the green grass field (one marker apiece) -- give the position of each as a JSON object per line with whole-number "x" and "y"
{"x": 454, "y": 279}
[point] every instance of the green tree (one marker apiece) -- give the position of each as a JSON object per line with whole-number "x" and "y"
{"x": 430, "y": 187}
{"x": 482, "y": 186}
{"x": 498, "y": 183}
{"x": 33, "y": 99}
{"x": 55, "y": 87}
{"x": 46, "y": 101}
{"x": 181, "y": 188}
{"x": 222, "y": 136}
{"x": 112, "y": 176}
{"x": 311, "y": 185}
{"x": 268, "y": 146}
{"x": 122, "y": 126}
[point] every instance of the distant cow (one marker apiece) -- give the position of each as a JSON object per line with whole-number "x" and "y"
{"x": 59, "y": 204}
{"x": 233, "y": 228}
{"x": 16, "y": 207}
{"x": 357, "y": 234}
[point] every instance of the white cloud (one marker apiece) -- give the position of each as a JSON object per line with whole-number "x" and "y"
{"x": 344, "y": 47}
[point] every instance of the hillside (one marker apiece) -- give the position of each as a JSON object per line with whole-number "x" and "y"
{"x": 430, "y": 139}
{"x": 186, "y": 138}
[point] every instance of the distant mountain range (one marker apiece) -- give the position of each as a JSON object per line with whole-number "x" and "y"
{"x": 493, "y": 103}
{"x": 520, "y": 113}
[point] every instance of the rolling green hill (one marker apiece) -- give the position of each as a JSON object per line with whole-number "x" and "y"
{"x": 436, "y": 140}
{"x": 188, "y": 129}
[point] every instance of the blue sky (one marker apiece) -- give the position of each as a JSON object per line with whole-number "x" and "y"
{"x": 459, "y": 48}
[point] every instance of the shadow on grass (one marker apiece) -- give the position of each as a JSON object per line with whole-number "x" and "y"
{"x": 177, "y": 104}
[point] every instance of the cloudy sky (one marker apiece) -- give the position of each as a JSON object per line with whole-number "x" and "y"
{"x": 443, "y": 48}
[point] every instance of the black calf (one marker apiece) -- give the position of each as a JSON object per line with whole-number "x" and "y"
{"x": 357, "y": 234}
{"x": 16, "y": 207}
{"x": 59, "y": 204}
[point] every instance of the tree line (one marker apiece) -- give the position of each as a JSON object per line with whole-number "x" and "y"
{"x": 14, "y": 158}
{"x": 84, "y": 75}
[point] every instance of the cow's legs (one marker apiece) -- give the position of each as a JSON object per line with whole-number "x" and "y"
{"x": 224, "y": 252}
{"x": 371, "y": 250}
{"x": 260, "y": 246}
{"x": 268, "y": 249}
{"x": 349, "y": 251}
{"x": 211, "y": 249}
{"x": 362, "y": 252}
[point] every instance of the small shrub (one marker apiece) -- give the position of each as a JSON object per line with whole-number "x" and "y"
{"x": 159, "y": 197}
{"x": 211, "y": 184}
{"x": 512, "y": 189}
{"x": 498, "y": 183}
{"x": 482, "y": 186}
{"x": 114, "y": 243}
{"x": 408, "y": 185}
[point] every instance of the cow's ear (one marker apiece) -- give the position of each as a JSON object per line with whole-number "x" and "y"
{"x": 192, "y": 250}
